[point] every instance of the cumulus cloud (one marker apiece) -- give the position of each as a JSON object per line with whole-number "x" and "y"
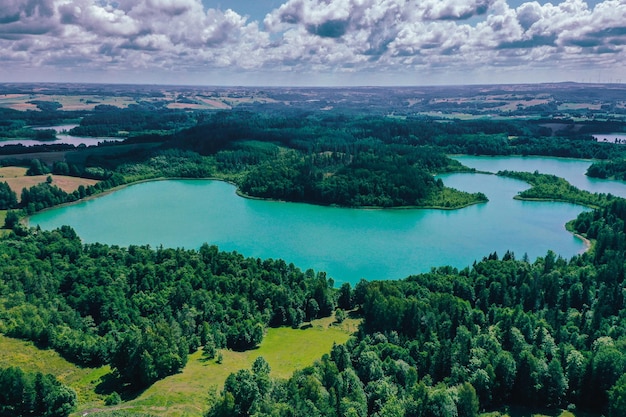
{"x": 312, "y": 35}
{"x": 26, "y": 17}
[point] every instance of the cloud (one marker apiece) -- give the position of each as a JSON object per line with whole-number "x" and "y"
{"x": 455, "y": 9}
{"x": 26, "y": 17}
{"x": 329, "y": 29}
{"x": 338, "y": 36}
{"x": 103, "y": 21}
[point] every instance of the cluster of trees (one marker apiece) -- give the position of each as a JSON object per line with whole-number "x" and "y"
{"x": 142, "y": 310}
{"x": 143, "y": 117}
{"x": 553, "y": 188}
{"x": 387, "y": 176}
{"x": 450, "y": 343}
{"x": 613, "y": 169}
{"x": 45, "y": 194}
{"x": 363, "y": 161}
{"x": 169, "y": 163}
{"x": 25, "y": 394}
{"x": 8, "y": 197}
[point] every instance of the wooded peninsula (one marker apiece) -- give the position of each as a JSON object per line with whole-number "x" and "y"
{"x": 507, "y": 331}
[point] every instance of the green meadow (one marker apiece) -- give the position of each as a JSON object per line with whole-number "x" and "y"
{"x": 189, "y": 392}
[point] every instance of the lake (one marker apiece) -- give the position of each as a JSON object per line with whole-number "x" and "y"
{"x": 349, "y": 244}
{"x": 62, "y": 138}
{"x": 610, "y": 137}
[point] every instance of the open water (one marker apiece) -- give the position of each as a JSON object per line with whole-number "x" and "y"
{"x": 349, "y": 244}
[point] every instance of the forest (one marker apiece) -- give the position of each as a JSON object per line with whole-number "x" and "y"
{"x": 505, "y": 331}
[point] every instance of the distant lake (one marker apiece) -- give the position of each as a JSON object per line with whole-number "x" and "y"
{"x": 62, "y": 138}
{"x": 349, "y": 244}
{"x": 611, "y": 137}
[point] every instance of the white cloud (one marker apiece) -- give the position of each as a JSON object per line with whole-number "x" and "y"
{"x": 326, "y": 36}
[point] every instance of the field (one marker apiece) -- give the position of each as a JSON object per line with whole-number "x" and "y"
{"x": 186, "y": 393}
{"x": 17, "y": 180}
{"x": 183, "y": 99}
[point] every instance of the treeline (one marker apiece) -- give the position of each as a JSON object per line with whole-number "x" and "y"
{"x": 546, "y": 334}
{"x": 142, "y": 310}
{"x": 46, "y": 194}
{"x": 318, "y": 132}
{"x": 26, "y": 394}
{"x": 329, "y": 160}
{"x": 553, "y": 188}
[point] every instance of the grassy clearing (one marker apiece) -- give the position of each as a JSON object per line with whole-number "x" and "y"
{"x": 30, "y": 358}
{"x": 186, "y": 393}
{"x": 285, "y": 349}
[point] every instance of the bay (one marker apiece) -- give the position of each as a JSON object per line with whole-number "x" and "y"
{"x": 573, "y": 170}
{"x": 349, "y": 244}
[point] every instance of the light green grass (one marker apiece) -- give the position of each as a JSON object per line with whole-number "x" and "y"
{"x": 32, "y": 359}
{"x": 285, "y": 349}
{"x": 3, "y": 217}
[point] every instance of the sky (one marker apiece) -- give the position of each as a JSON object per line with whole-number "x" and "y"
{"x": 312, "y": 42}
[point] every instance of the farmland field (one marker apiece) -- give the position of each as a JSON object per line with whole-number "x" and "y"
{"x": 17, "y": 179}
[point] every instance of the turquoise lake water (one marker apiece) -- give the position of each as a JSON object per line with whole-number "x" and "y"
{"x": 349, "y": 244}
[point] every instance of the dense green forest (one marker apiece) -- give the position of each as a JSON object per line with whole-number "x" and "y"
{"x": 108, "y": 120}
{"x": 142, "y": 310}
{"x": 504, "y": 331}
{"x": 613, "y": 169}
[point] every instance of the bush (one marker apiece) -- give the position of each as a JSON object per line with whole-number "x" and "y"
{"x": 113, "y": 399}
